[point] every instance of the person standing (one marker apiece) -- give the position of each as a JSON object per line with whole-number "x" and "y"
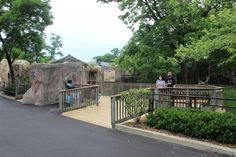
{"x": 160, "y": 83}
{"x": 170, "y": 81}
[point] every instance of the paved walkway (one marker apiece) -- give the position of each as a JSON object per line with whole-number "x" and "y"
{"x": 31, "y": 131}
{"x": 98, "y": 115}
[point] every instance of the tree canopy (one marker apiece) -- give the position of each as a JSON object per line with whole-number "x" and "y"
{"x": 22, "y": 25}
{"x": 108, "y": 57}
{"x": 54, "y": 48}
{"x": 169, "y": 35}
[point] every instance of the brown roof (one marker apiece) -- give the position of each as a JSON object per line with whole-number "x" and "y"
{"x": 69, "y": 58}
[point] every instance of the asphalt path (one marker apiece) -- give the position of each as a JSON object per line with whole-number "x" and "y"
{"x": 31, "y": 131}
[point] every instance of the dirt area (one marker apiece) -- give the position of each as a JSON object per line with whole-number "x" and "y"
{"x": 142, "y": 125}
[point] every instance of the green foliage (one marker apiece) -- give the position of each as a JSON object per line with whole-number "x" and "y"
{"x": 162, "y": 28}
{"x": 230, "y": 92}
{"x": 54, "y": 48}
{"x": 10, "y": 89}
{"x": 217, "y": 42}
{"x": 136, "y": 102}
{"x": 22, "y": 24}
{"x": 203, "y": 124}
{"x": 108, "y": 57}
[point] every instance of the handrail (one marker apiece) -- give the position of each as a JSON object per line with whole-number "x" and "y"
{"x": 76, "y": 98}
{"x": 119, "y": 113}
{"x": 68, "y": 90}
{"x": 203, "y": 97}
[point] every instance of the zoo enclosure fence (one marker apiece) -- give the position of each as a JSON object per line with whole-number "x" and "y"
{"x": 77, "y": 98}
{"x": 119, "y": 112}
{"x": 18, "y": 92}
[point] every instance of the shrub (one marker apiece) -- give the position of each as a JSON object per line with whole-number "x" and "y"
{"x": 136, "y": 102}
{"x": 203, "y": 124}
{"x": 10, "y": 89}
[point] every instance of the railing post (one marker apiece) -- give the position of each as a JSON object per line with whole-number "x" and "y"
{"x": 195, "y": 102}
{"x": 151, "y": 101}
{"x": 97, "y": 95}
{"x": 16, "y": 92}
{"x": 188, "y": 99}
{"x": 113, "y": 112}
{"x": 60, "y": 102}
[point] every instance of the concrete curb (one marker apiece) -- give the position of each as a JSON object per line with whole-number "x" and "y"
{"x": 8, "y": 97}
{"x": 204, "y": 146}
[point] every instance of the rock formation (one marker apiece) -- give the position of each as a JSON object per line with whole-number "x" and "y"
{"x": 21, "y": 70}
{"x": 48, "y": 79}
{"x": 4, "y": 70}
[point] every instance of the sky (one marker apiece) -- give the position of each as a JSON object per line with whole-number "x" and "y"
{"x": 88, "y": 28}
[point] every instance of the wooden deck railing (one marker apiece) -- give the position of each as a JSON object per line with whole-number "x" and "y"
{"x": 120, "y": 112}
{"x": 181, "y": 99}
{"x": 78, "y": 98}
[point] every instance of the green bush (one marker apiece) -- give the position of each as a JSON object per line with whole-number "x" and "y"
{"x": 203, "y": 124}
{"x": 10, "y": 88}
{"x": 136, "y": 102}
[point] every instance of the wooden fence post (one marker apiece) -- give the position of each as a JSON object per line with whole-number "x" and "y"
{"x": 60, "y": 102}
{"x": 113, "y": 112}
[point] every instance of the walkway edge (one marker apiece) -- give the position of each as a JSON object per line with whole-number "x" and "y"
{"x": 7, "y": 97}
{"x": 204, "y": 146}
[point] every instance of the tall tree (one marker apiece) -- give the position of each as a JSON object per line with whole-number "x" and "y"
{"x": 163, "y": 26}
{"x": 108, "y": 57}
{"x": 217, "y": 45}
{"x": 22, "y": 23}
{"x": 54, "y": 49}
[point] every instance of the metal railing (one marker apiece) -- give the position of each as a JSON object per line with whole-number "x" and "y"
{"x": 119, "y": 111}
{"x": 73, "y": 99}
{"x": 186, "y": 101}
{"x": 21, "y": 90}
{"x": 18, "y": 90}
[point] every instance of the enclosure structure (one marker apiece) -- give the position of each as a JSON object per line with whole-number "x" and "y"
{"x": 189, "y": 96}
{"x": 83, "y": 96}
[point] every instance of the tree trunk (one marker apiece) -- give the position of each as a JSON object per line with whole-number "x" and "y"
{"x": 12, "y": 75}
{"x": 192, "y": 75}
{"x": 184, "y": 73}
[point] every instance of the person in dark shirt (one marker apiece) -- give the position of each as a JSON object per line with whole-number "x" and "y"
{"x": 170, "y": 81}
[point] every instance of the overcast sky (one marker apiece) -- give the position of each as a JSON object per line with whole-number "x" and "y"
{"x": 88, "y": 28}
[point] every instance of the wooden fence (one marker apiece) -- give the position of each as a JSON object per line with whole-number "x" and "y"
{"x": 208, "y": 98}
{"x": 120, "y": 112}
{"x": 17, "y": 90}
{"x": 78, "y": 98}
{"x": 180, "y": 95}
{"x": 21, "y": 90}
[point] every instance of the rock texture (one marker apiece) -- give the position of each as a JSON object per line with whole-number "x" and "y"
{"x": 48, "y": 79}
{"x": 4, "y": 70}
{"x": 21, "y": 70}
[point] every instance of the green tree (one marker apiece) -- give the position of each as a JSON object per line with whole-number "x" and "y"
{"x": 217, "y": 45}
{"x": 22, "y": 23}
{"x": 163, "y": 26}
{"x": 54, "y": 48}
{"x": 108, "y": 57}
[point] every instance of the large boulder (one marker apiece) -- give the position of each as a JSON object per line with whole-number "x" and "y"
{"x": 48, "y": 79}
{"x": 4, "y": 70}
{"x": 21, "y": 71}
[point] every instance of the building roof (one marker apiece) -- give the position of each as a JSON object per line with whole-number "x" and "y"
{"x": 70, "y": 59}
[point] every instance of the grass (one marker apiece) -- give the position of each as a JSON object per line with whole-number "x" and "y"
{"x": 230, "y": 92}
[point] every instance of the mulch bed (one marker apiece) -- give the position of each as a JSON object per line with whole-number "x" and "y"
{"x": 142, "y": 125}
